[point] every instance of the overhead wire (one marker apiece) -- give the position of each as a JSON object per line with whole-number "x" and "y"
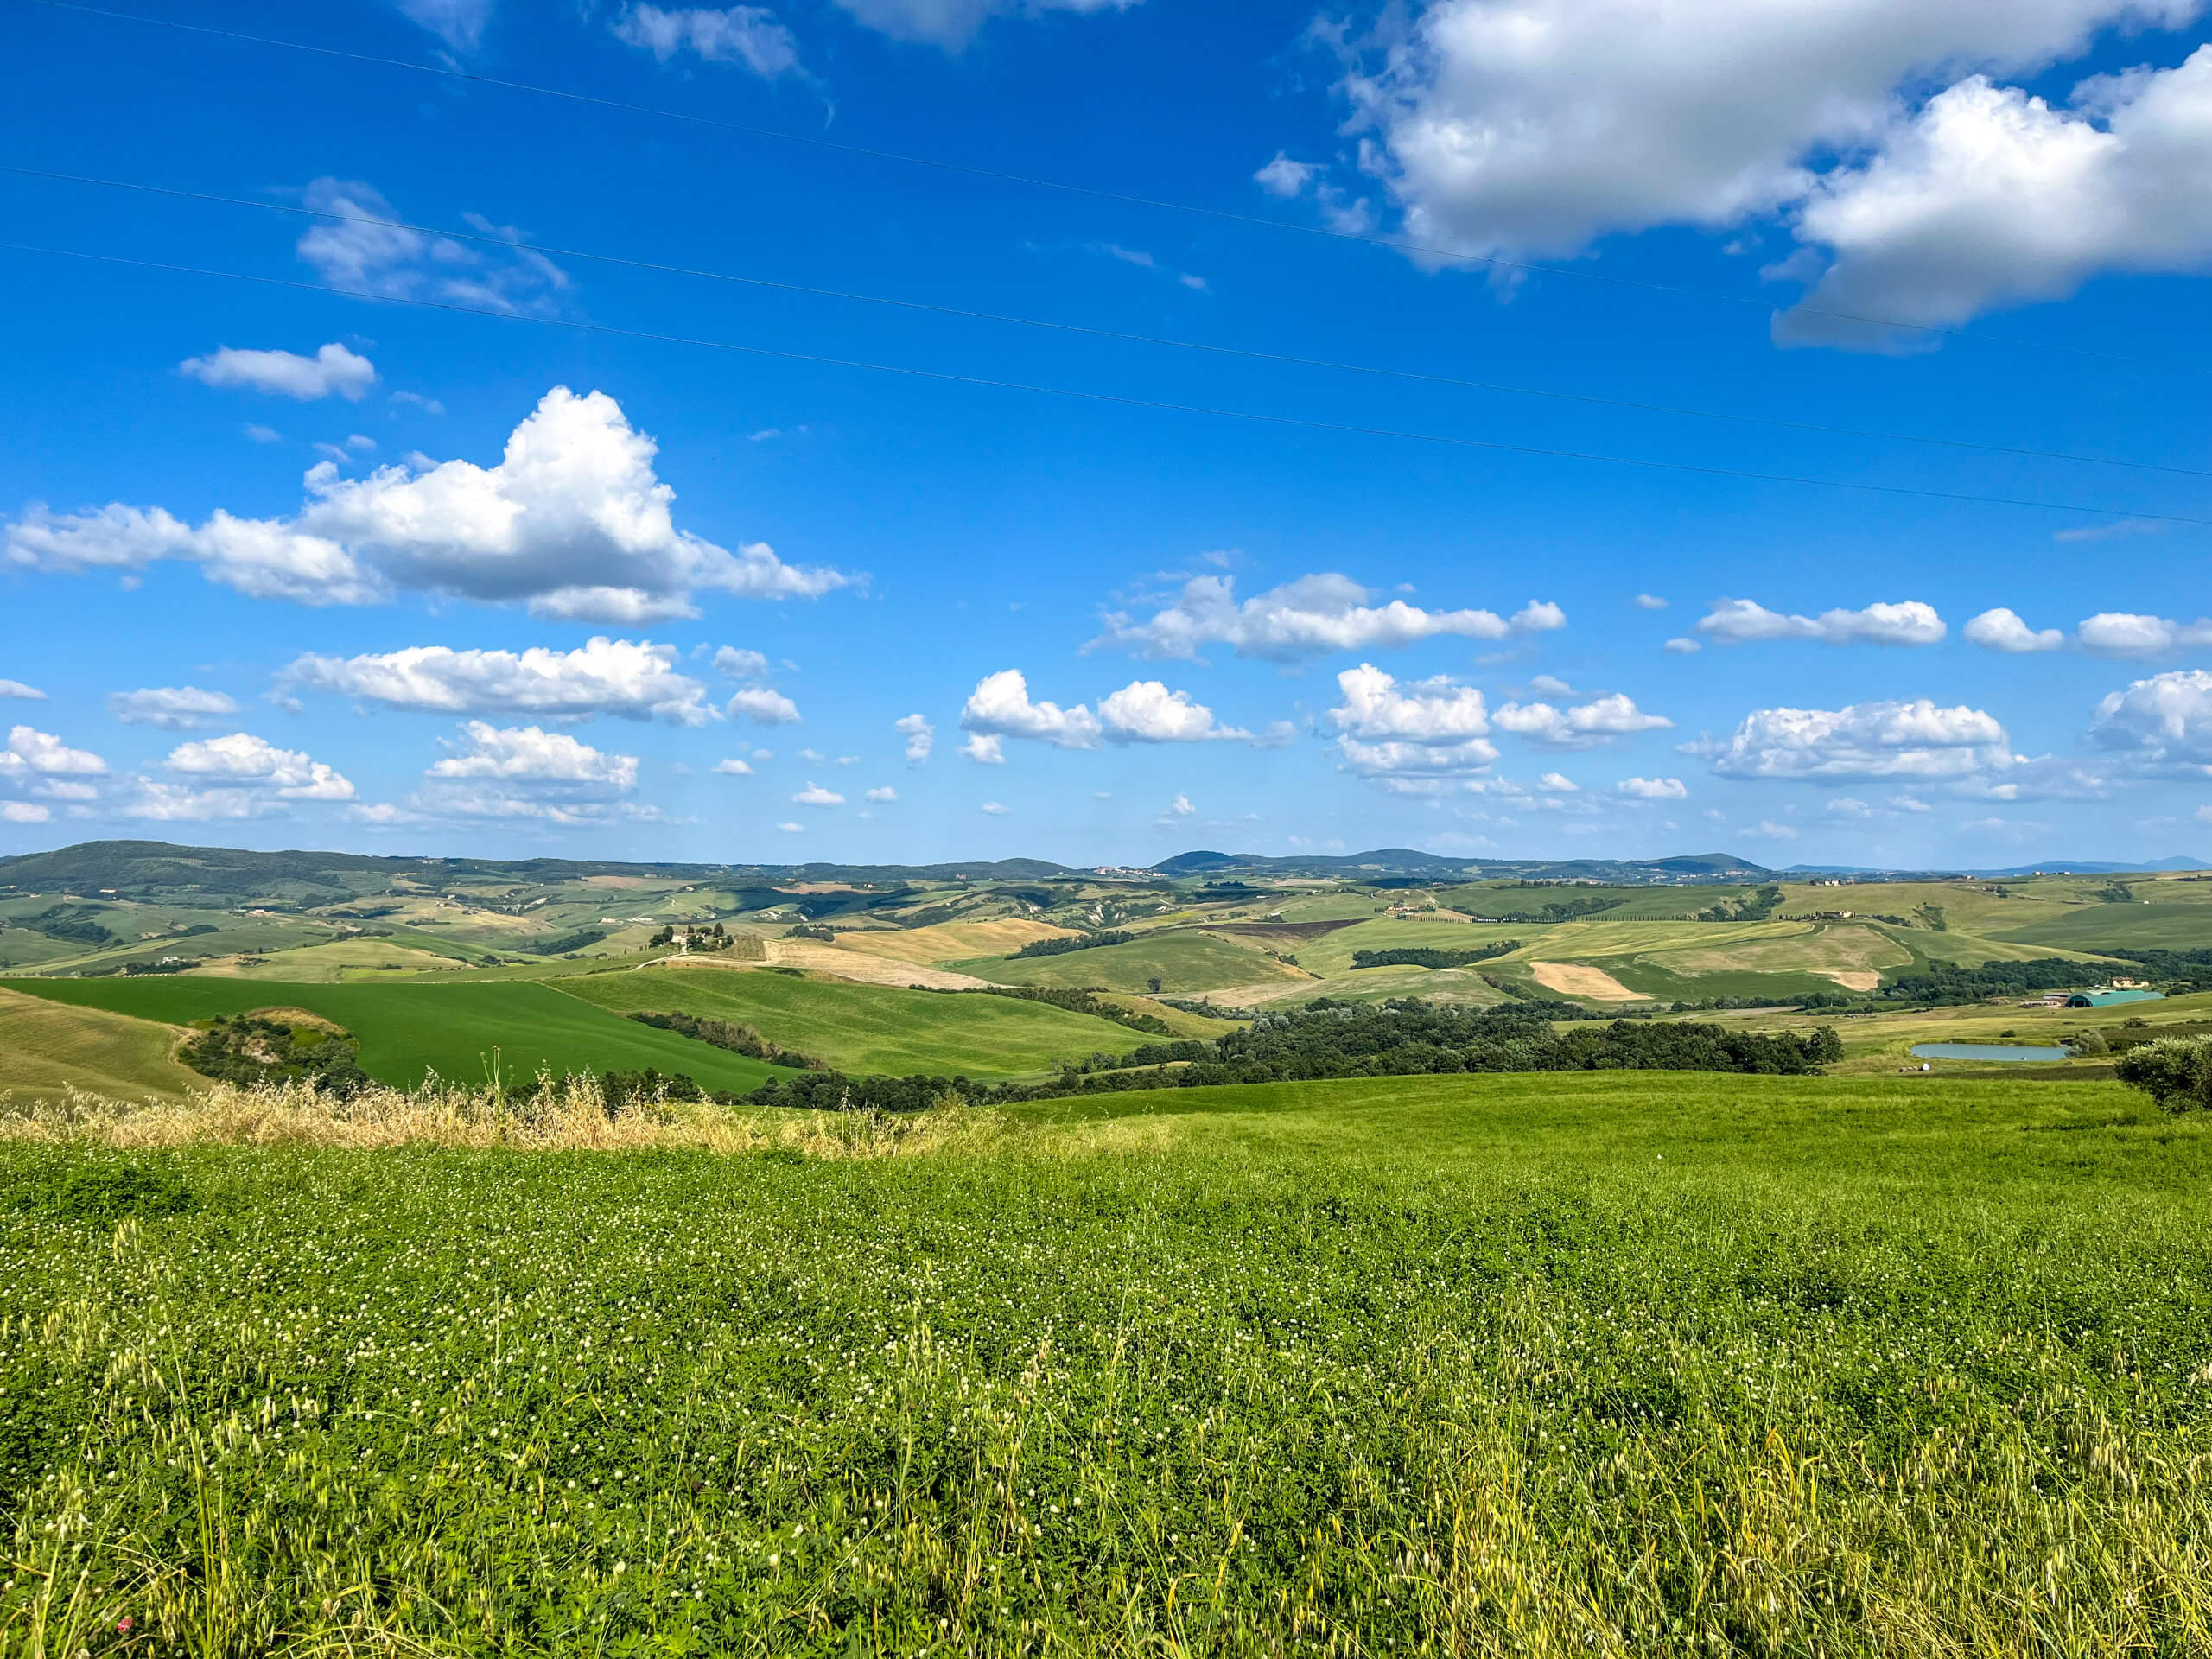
{"x": 1123, "y": 400}
{"x": 1088, "y": 331}
{"x": 1398, "y": 244}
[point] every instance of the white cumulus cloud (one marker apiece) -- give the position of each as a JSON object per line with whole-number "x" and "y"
{"x": 1734, "y": 621}
{"x": 525, "y": 772}
{"x": 814, "y": 795}
{"x": 920, "y": 735}
{"x": 17, "y": 689}
{"x": 762, "y": 706}
{"x": 882, "y": 795}
{"x": 951, "y": 23}
{"x": 1653, "y": 789}
{"x": 2120, "y": 633}
{"x": 2164, "y": 720}
{"x": 364, "y": 248}
{"x": 743, "y": 34}
{"x": 571, "y": 521}
{"x": 332, "y": 369}
{"x": 1868, "y": 740}
{"x": 733, "y": 768}
{"x": 1000, "y": 708}
{"x": 997, "y": 809}
{"x": 636, "y": 680}
{"x": 244, "y": 761}
{"x": 1579, "y": 727}
{"x": 1429, "y": 728}
{"x": 1146, "y": 711}
{"x": 24, "y": 812}
{"x": 32, "y": 753}
{"x": 2003, "y": 629}
{"x": 1311, "y": 617}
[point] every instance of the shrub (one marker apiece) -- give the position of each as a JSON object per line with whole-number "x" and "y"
{"x": 2176, "y": 1071}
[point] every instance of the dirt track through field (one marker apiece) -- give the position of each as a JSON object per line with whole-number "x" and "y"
{"x": 1580, "y": 979}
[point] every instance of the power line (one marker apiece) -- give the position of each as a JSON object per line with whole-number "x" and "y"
{"x": 1120, "y": 399}
{"x": 1248, "y": 353}
{"x": 1397, "y": 245}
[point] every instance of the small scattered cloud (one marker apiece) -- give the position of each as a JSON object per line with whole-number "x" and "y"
{"x": 17, "y": 689}
{"x": 984, "y": 749}
{"x": 996, "y": 808}
{"x": 763, "y": 706}
{"x": 171, "y": 708}
{"x": 1311, "y": 617}
{"x": 920, "y": 735}
{"x": 260, "y": 434}
{"x": 1908, "y": 622}
{"x": 334, "y": 371}
{"x": 1649, "y": 603}
{"x": 1653, "y": 789}
{"x": 882, "y": 796}
{"x": 733, "y": 767}
{"x": 416, "y": 400}
{"x": 1558, "y": 783}
{"x": 1180, "y": 807}
{"x": 1581, "y": 726}
{"x": 791, "y": 829}
{"x": 749, "y": 36}
{"x": 24, "y": 812}
{"x": 1683, "y": 646}
{"x": 814, "y": 795}
{"x": 526, "y": 773}
{"x": 2003, "y": 629}
{"x": 2122, "y": 634}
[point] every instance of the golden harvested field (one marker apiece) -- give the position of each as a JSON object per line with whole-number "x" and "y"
{"x": 47, "y": 1048}
{"x": 1578, "y": 979}
{"x": 953, "y": 941}
{"x": 1851, "y": 955}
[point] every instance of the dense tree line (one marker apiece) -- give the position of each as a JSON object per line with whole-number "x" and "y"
{"x": 1948, "y": 983}
{"x": 1080, "y": 941}
{"x": 582, "y": 939}
{"x": 728, "y": 1035}
{"x": 1402, "y": 1038}
{"x": 1420, "y": 955}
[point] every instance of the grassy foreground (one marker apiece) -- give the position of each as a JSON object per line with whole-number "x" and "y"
{"x": 1593, "y": 1364}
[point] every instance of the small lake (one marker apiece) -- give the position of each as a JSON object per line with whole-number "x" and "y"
{"x": 1988, "y": 1051}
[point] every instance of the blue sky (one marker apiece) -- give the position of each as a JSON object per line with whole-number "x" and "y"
{"x": 421, "y": 542}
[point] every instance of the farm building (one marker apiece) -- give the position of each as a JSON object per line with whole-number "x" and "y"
{"x": 2106, "y": 999}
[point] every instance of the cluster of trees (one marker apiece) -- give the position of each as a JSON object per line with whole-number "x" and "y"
{"x": 1563, "y": 910}
{"x": 69, "y": 925}
{"x": 2176, "y": 1071}
{"x": 811, "y": 930}
{"x": 248, "y": 1051}
{"x": 1948, "y": 983}
{"x": 1080, "y": 941}
{"x": 1417, "y": 955}
{"x": 1756, "y": 908}
{"x": 2178, "y": 971}
{"x": 1402, "y": 1038}
{"x": 703, "y": 938}
{"x": 583, "y": 938}
{"x": 727, "y": 1035}
{"x": 1075, "y": 1002}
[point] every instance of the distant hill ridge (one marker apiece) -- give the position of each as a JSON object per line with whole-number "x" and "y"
{"x": 139, "y": 868}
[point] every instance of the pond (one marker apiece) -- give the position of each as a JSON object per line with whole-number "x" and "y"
{"x": 1988, "y": 1051}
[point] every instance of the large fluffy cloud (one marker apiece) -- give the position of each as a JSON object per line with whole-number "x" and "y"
{"x": 1866, "y": 739}
{"x": 1143, "y": 711}
{"x": 1146, "y": 711}
{"x": 1430, "y": 729}
{"x": 239, "y": 776}
{"x": 572, "y": 521}
{"x": 333, "y": 369}
{"x": 2164, "y": 720}
{"x": 1987, "y": 197}
{"x": 2108, "y": 633}
{"x": 32, "y": 755}
{"x": 636, "y": 680}
{"x": 1908, "y": 622}
{"x": 1311, "y": 617}
{"x": 1527, "y": 128}
{"x": 2002, "y": 629}
{"x": 1000, "y": 708}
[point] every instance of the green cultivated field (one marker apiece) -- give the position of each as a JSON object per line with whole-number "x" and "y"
{"x": 451, "y": 1030}
{"x": 2152, "y": 926}
{"x": 1615, "y": 1363}
{"x": 868, "y": 1028}
{"x": 1183, "y": 960}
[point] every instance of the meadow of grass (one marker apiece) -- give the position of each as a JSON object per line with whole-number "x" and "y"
{"x": 1184, "y": 960}
{"x": 47, "y": 1050}
{"x": 1607, "y": 1363}
{"x": 880, "y": 1029}
{"x": 451, "y": 1030}
{"x": 2145, "y": 926}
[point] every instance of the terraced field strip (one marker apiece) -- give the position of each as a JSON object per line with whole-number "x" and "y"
{"x": 952, "y": 941}
{"x": 407, "y": 1030}
{"x": 880, "y": 1029}
{"x": 1183, "y": 960}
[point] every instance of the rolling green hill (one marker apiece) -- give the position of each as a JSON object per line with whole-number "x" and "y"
{"x": 880, "y": 1029}
{"x": 453, "y": 1030}
{"x": 1181, "y": 960}
{"x": 2145, "y": 926}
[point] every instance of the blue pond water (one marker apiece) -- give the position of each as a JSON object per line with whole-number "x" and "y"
{"x": 1986, "y": 1052}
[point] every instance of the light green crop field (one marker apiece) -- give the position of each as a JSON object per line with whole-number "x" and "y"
{"x": 880, "y": 1029}
{"x": 1616, "y": 1363}
{"x": 1185, "y": 960}
{"x": 2144, "y": 926}
{"x": 46, "y": 1049}
{"x": 453, "y": 1030}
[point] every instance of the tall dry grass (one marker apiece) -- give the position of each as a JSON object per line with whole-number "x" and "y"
{"x": 566, "y": 1115}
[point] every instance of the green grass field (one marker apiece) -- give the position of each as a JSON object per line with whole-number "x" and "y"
{"x": 2152, "y": 926}
{"x": 451, "y": 1030}
{"x": 1184, "y": 960}
{"x": 1615, "y": 1363}
{"x": 868, "y": 1028}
